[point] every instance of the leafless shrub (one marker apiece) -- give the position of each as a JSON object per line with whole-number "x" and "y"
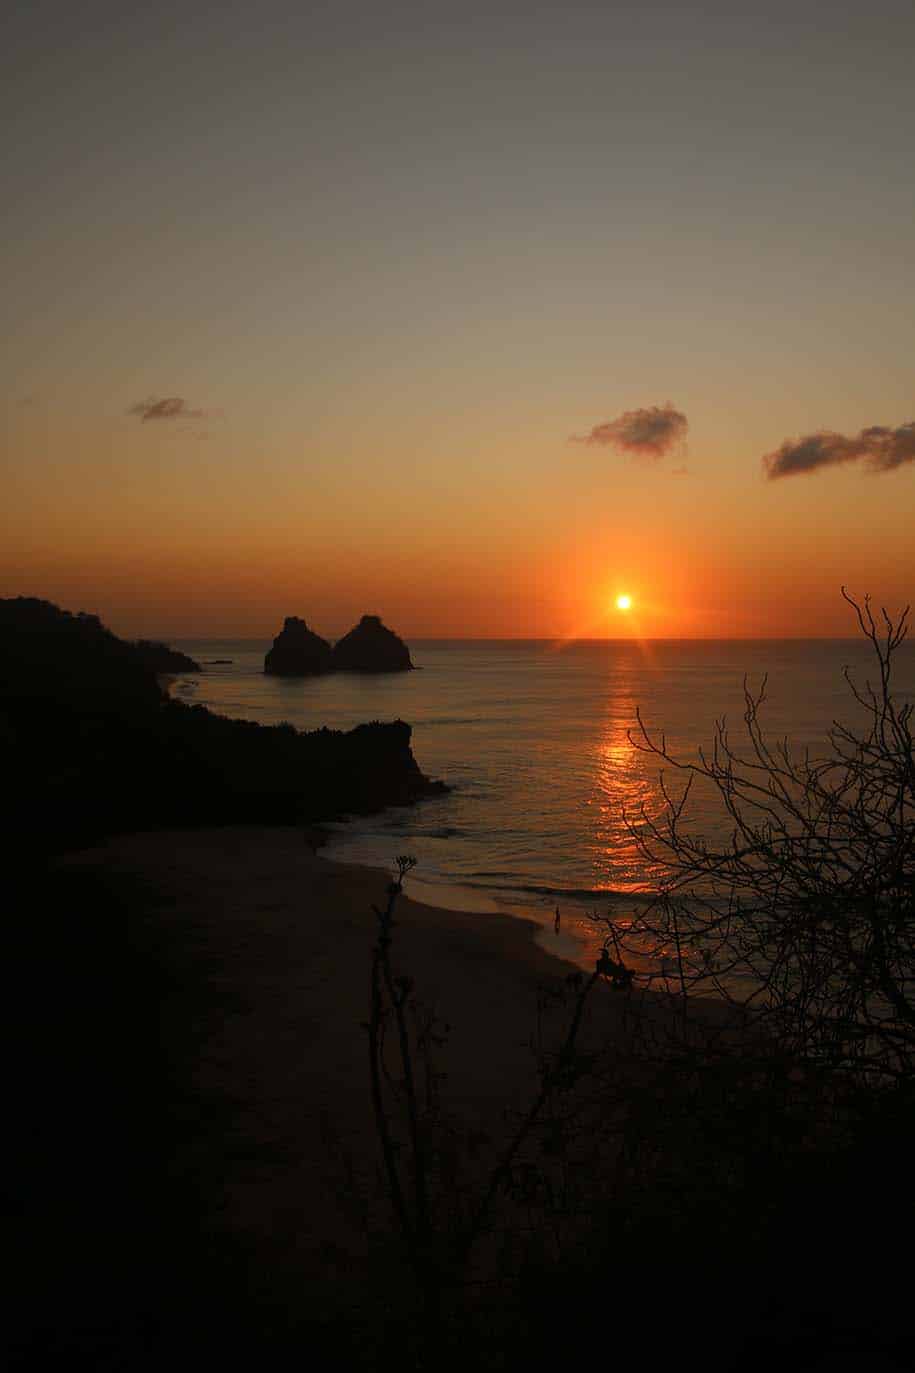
{"x": 444, "y": 1184}
{"x": 760, "y": 1005}
{"x": 804, "y": 921}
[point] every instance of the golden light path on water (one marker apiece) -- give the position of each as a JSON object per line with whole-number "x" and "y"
{"x": 625, "y": 789}
{"x": 534, "y": 740}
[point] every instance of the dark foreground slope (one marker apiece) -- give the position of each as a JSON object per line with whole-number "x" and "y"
{"x": 190, "y": 1151}
{"x": 91, "y": 746}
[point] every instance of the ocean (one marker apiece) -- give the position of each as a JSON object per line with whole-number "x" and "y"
{"x": 538, "y": 742}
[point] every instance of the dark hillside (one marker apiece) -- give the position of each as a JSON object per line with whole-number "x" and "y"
{"x": 91, "y": 746}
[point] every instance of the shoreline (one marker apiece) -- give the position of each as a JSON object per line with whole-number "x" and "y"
{"x": 303, "y": 853}
{"x": 196, "y": 1059}
{"x": 451, "y": 896}
{"x": 265, "y": 925}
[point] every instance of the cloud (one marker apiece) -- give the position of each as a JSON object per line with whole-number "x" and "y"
{"x": 890, "y": 448}
{"x": 168, "y": 408}
{"x": 648, "y": 433}
{"x": 880, "y": 448}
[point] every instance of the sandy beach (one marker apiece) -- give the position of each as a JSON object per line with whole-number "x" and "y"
{"x": 277, "y": 944}
{"x": 196, "y": 1162}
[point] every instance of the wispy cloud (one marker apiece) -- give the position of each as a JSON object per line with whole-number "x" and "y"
{"x": 165, "y": 408}
{"x": 648, "y": 433}
{"x": 880, "y": 448}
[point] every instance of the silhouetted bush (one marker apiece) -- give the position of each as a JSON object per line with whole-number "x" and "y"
{"x": 737, "y": 1138}
{"x": 805, "y": 918}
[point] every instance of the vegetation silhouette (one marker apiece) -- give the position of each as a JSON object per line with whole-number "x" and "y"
{"x": 727, "y": 1177}
{"x": 806, "y": 916}
{"x": 746, "y": 1149}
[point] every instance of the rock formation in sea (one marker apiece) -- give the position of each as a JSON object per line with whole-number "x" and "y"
{"x": 91, "y": 745}
{"x": 371, "y": 647}
{"x": 160, "y": 657}
{"x": 297, "y": 651}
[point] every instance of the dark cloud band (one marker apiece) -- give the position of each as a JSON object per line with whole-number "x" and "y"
{"x": 882, "y": 449}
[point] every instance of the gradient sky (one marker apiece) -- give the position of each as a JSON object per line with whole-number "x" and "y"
{"x": 392, "y": 257}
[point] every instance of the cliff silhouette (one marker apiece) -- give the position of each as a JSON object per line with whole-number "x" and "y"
{"x": 92, "y": 745}
{"x": 161, "y": 658}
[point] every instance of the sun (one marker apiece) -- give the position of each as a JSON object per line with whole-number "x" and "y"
{"x": 624, "y": 602}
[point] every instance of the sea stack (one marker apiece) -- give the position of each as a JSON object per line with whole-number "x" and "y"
{"x": 297, "y": 651}
{"x": 371, "y": 647}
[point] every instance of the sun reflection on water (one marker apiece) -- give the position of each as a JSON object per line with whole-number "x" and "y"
{"x": 625, "y": 786}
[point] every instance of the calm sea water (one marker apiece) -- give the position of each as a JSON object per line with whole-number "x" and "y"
{"x": 535, "y": 741}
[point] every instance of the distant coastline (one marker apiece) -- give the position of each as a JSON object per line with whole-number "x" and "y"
{"x": 535, "y": 746}
{"x": 96, "y": 746}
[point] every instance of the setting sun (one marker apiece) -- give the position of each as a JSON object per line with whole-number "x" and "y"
{"x": 624, "y": 602}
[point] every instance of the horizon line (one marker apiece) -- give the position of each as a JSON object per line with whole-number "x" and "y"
{"x": 553, "y": 639}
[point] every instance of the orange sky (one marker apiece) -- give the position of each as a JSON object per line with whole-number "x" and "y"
{"x": 174, "y": 548}
{"x": 389, "y": 279}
